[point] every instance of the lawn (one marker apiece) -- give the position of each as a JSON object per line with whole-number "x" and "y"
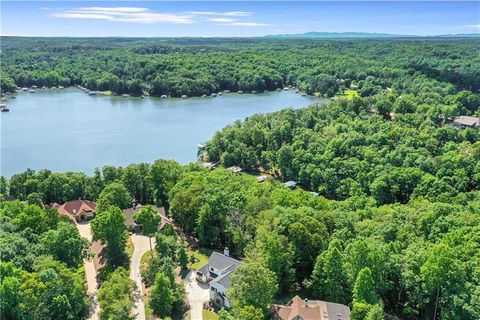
{"x": 350, "y": 94}
{"x": 146, "y": 255}
{"x": 209, "y": 315}
{"x": 201, "y": 258}
{"x": 129, "y": 247}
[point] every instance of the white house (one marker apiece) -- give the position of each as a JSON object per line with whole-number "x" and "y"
{"x": 217, "y": 274}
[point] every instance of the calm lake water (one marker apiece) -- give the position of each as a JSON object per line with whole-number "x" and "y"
{"x": 71, "y": 131}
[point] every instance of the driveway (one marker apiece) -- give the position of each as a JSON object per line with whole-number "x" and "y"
{"x": 90, "y": 272}
{"x": 197, "y": 294}
{"x": 141, "y": 245}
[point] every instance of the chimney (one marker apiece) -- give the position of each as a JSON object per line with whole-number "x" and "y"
{"x": 306, "y": 303}
{"x": 226, "y": 252}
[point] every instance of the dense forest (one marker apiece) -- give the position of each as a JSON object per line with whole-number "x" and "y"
{"x": 386, "y": 217}
{"x": 202, "y": 66}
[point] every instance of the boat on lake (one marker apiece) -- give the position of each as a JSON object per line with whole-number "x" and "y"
{"x": 60, "y": 87}
{"x": 125, "y": 95}
{"x": 184, "y": 96}
{"x": 163, "y": 96}
{"x": 31, "y": 91}
{"x": 240, "y": 91}
{"x": 3, "y": 108}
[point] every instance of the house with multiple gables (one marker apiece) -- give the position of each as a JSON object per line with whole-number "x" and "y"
{"x": 298, "y": 309}
{"x": 79, "y": 210}
{"x": 132, "y": 225}
{"x": 217, "y": 275}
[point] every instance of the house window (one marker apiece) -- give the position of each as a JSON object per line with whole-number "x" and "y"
{"x": 211, "y": 269}
{"x": 214, "y": 289}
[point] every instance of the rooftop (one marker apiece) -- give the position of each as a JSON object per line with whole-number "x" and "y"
{"x": 220, "y": 261}
{"x": 75, "y": 207}
{"x": 311, "y": 310}
{"x": 468, "y": 121}
{"x": 130, "y": 212}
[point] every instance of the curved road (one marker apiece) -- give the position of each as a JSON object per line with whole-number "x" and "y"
{"x": 141, "y": 245}
{"x": 90, "y": 272}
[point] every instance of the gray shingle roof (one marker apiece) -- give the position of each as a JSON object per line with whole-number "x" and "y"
{"x": 220, "y": 261}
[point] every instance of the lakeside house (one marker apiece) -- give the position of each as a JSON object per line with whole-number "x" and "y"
{"x": 262, "y": 178}
{"x": 290, "y": 184}
{"x": 298, "y": 309}
{"x": 235, "y": 169}
{"x": 133, "y": 226}
{"x": 79, "y": 210}
{"x": 209, "y": 165}
{"x": 217, "y": 275}
{"x": 466, "y": 122}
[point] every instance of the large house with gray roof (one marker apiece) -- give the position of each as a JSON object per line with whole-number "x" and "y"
{"x": 217, "y": 274}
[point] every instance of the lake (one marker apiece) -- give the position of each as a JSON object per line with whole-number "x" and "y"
{"x": 69, "y": 130}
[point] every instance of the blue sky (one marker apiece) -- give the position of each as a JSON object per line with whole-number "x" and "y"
{"x": 235, "y": 18}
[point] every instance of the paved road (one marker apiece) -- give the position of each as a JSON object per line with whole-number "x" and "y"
{"x": 91, "y": 273}
{"x": 141, "y": 245}
{"x": 197, "y": 294}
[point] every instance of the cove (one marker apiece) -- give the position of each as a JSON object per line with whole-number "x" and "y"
{"x": 69, "y": 130}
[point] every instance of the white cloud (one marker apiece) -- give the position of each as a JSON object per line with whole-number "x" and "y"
{"x": 226, "y": 14}
{"x": 475, "y": 26}
{"x": 145, "y": 15}
{"x": 249, "y": 24}
{"x": 223, "y": 20}
{"x": 114, "y": 9}
{"x": 123, "y": 14}
{"x": 237, "y": 14}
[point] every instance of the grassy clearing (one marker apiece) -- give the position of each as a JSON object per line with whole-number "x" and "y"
{"x": 209, "y": 315}
{"x": 350, "y": 94}
{"x": 146, "y": 256}
{"x": 201, "y": 258}
{"x": 129, "y": 247}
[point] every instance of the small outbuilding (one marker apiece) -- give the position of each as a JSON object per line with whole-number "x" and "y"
{"x": 262, "y": 178}
{"x": 466, "y": 122}
{"x": 290, "y": 184}
{"x": 235, "y": 169}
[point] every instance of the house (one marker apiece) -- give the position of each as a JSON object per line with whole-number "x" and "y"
{"x": 235, "y": 169}
{"x": 262, "y": 178}
{"x": 133, "y": 226}
{"x": 77, "y": 209}
{"x": 210, "y": 165}
{"x": 298, "y": 309}
{"x": 217, "y": 274}
{"x": 466, "y": 122}
{"x": 290, "y": 184}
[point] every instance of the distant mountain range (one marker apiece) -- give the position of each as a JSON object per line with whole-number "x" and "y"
{"x": 364, "y": 35}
